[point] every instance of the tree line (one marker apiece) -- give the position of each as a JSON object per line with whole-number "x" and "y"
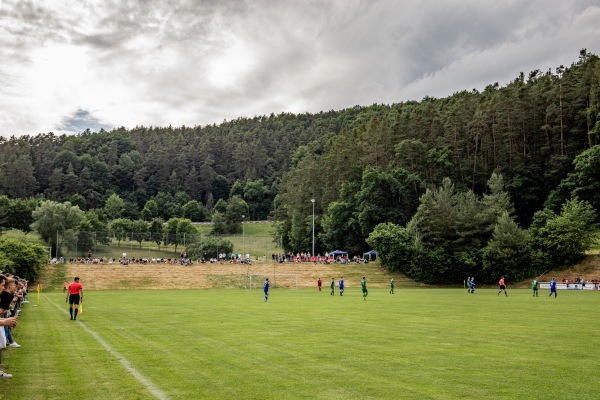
{"x": 363, "y": 166}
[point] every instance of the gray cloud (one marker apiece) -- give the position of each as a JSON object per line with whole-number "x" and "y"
{"x": 79, "y": 121}
{"x": 199, "y": 62}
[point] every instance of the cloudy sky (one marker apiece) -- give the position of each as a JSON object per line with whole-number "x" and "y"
{"x": 70, "y": 65}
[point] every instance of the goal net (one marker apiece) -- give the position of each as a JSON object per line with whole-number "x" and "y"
{"x": 257, "y": 281}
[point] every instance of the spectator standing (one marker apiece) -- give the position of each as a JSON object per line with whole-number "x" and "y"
{"x": 7, "y": 323}
{"x": 6, "y": 298}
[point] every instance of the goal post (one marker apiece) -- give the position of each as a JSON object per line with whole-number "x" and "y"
{"x": 288, "y": 281}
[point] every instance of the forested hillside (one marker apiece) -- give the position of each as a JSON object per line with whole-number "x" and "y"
{"x": 363, "y": 166}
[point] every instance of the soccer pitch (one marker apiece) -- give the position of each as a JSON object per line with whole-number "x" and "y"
{"x": 224, "y": 344}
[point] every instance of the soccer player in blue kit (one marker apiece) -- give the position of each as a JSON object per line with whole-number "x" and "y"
{"x": 552, "y": 288}
{"x": 341, "y": 286}
{"x": 266, "y": 290}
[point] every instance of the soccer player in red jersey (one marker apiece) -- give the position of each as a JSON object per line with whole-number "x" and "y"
{"x": 502, "y": 287}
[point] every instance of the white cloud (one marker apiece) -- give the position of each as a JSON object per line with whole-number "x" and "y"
{"x": 128, "y": 63}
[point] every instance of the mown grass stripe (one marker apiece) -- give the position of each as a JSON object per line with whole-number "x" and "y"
{"x": 152, "y": 388}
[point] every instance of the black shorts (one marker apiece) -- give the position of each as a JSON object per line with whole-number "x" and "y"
{"x": 502, "y": 287}
{"x": 74, "y": 299}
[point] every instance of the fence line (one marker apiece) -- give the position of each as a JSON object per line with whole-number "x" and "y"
{"x": 83, "y": 244}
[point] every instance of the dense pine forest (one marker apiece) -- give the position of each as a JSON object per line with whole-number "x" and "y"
{"x": 524, "y": 148}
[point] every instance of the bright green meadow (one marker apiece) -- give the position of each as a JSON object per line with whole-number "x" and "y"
{"x": 305, "y": 344}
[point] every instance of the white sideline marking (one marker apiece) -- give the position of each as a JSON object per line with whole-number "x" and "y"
{"x": 159, "y": 394}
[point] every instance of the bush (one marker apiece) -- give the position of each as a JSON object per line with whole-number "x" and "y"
{"x": 212, "y": 246}
{"x": 22, "y": 259}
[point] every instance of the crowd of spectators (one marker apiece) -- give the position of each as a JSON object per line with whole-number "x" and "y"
{"x": 184, "y": 259}
{"x": 316, "y": 259}
{"x": 231, "y": 258}
{"x": 581, "y": 281}
{"x": 13, "y": 295}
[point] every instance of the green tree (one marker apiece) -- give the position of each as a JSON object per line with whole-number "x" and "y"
{"x": 55, "y": 183}
{"x": 221, "y": 206}
{"x": 212, "y": 246}
{"x": 194, "y": 211}
{"x": 71, "y": 183}
{"x": 558, "y": 241}
{"x": 385, "y": 197}
{"x": 78, "y": 200}
{"x": 341, "y": 229}
{"x": 20, "y": 175}
{"x": 121, "y": 228}
{"x": 85, "y": 237}
{"x": 193, "y": 184}
{"x": 236, "y": 209}
{"x": 256, "y": 195}
{"x": 98, "y": 226}
{"x": 150, "y": 210}
{"x": 340, "y": 224}
{"x": 436, "y": 216}
{"x": 507, "y": 253}
{"x": 186, "y": 232}
{"x": 22, "y": 259}
{"x": 394, "y": 246}
{"x": 299, "y": 236}
{"x": 114, "y": 206}
{"x": 139, "y": 229}
{"x": 20, "y": 214}
{"x": 166, "y": 205}
{"x": 170, "y": 232}
{"x": 52, "y": 219}
{"x": 4, "y": 204}
{"x": 236, "y": 189}
{"x": 156, "y": 231}
{"x": 583, "y": 182}
{"x": 220, "y": 188}
{"x": 179, "y": 231}
{"x": 218, "y": 224}
{"x": 207, "y": 176}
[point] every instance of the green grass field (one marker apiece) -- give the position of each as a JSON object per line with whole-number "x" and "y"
{"x": 256, "y": 240}
{"x": 224, "y": 344}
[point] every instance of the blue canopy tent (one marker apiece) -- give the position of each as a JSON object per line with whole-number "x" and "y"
{"x": 338, "y": 253}
{"x": 370, "y": 254}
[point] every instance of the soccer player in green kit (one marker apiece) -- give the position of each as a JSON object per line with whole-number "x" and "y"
{"x": 392, "y": 286}
{"x": 534, "y": 287}
{"x": 332, "y": 285}
{"x": 363, "y": 285}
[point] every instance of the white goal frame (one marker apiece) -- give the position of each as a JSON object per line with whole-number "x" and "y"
{"x": 257, "y": 280}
